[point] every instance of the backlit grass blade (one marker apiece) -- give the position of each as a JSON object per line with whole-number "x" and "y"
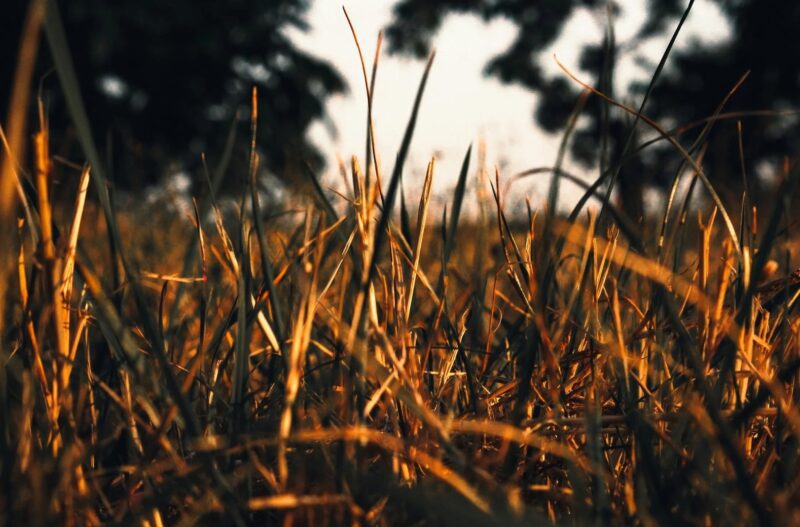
{"x": 422, "y": 220}
{"x": 369, "y": 86}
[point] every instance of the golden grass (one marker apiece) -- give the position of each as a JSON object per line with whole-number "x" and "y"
{"x": 580, "y": 404}
{"x": 344, "y": 365}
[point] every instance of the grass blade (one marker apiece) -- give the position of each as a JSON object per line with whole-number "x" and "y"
{"x": 455, "y": 210}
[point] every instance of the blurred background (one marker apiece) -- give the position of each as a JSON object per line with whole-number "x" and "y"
{"x": 165, "y": 81}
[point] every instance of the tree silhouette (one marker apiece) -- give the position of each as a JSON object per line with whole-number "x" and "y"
{"x": 164, "y": 79}
{"x": 691, "y": 87}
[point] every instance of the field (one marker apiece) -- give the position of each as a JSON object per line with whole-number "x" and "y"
{"x": 344, "y": 364}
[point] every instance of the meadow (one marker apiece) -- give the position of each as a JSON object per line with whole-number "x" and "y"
{"x": 365, "y": 360}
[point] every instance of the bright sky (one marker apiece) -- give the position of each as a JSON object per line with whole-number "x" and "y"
{"x": 460, "y": 105}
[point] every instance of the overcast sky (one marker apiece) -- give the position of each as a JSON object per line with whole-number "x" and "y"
{"x": 460, "y": 105}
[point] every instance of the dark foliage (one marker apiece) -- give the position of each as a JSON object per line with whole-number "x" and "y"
{"x": 162, "y": 80}
{"x": 694, "y": 83}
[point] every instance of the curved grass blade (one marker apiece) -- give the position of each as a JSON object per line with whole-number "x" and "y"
{"x": 369, "y": 86}
{"x": 629, "y": 142}
{"x": 699, "y": 141}
{"x": 672, "y": 141}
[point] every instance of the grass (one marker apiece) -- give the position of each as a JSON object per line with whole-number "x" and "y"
{"x": 345, "y": 365}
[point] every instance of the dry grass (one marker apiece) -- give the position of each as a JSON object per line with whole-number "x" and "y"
{"x": 347, "y": 366}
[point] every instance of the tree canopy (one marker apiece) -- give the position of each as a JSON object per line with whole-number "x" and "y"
{"x": 693, "y": 84}
{"x": 163, "y": 80}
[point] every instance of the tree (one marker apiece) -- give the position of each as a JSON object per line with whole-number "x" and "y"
{"x": 692, "y": 86}
{"x": 164, "y": 79}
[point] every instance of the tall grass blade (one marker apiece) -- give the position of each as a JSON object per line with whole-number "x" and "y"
{"x": 14, "y": 142}
{"x": 397, "y": 174}
{"x": 614, "y": 174}
{"x": 455, "y": 209}
{"x": 266, "y": 264}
